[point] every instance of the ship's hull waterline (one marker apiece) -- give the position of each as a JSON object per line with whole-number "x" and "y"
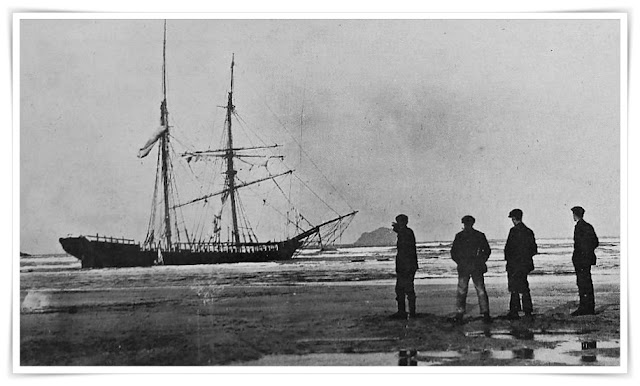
{"x": 111, "y": 253}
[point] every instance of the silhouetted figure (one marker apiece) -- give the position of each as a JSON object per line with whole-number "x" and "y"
{"x": 470, "y": 251}
{"x": 518, "y": 252}
{"x": 585, "y": 241}
{"x": 406, "y": 267}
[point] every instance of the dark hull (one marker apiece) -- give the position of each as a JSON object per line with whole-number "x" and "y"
{"x": 103, "y": 254}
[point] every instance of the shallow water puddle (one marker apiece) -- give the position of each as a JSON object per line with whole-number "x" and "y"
{"x": 526, "y": 334}
{"x": 571, "y": 349}
{"x": 35, "y": 301}
{"x": 563, "y": 354}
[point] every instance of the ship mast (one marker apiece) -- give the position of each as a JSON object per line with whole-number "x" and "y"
{"x": 231, "y": 173}
{"x": 164, "y": 142}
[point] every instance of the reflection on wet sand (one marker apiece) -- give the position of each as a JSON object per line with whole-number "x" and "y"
{"x": 407, "y": 358}
{"x": 570, "y": 350}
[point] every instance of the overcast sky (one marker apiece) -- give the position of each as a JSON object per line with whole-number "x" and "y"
{"x": 432, "y": 118}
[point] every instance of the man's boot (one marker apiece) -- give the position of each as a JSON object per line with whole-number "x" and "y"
{"x": 586, "y": 307}
{"x": 514, "y": 306}
{"x": 581, "y": 311}
{"x": 402, "y": 313}
{"x": 581, "y": 306}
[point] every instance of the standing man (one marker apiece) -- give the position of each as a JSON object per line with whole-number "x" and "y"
{"x": 585, "y": 241}
{"x": 518, "y": 252}
{"x": 406, "y": 267}
{"x": 470, "y": 250}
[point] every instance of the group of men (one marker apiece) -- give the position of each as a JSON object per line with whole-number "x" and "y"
{"x": 470, "y": 251}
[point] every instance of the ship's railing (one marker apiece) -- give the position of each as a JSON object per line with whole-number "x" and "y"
{"x": 109, "y": 239}
{"x": 219, "y": 247}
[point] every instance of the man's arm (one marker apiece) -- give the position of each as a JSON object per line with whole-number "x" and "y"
{"x": 509, "y": 245}
{"x": 594, "y": 238}
{"x": 534, "y": 246}
{"x": 455, "y": 247}
{"x": 486, "y": 249}
{"x": 585, "y": 237}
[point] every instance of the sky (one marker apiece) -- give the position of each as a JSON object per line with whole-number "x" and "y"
{"x": 436, "y": 119}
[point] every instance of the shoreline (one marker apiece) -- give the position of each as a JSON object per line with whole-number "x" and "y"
{"x": 199, "y": 324}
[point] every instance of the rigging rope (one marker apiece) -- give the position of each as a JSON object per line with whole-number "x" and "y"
{"x": 241, "y": 121}
{"x": 315, "y": 194}
{"x": 284, "y": 194}
{"x": 266, "y": 202}
{"x": 152, "y": 218}
{"x": 199, "y": 221}
{"x": 177, "y": 198}
{"x": 313, "y": 163}
{"x": 247, "y": 225}
{"x": 308, "y": 157}
{"x": 209, "y": 179}
{"x": 172, "y": 191}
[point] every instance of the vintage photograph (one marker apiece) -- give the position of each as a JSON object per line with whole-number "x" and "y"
{"x": 357, "y": 192}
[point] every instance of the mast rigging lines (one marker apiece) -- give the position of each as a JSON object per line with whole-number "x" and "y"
{"x": 241, "y": 228}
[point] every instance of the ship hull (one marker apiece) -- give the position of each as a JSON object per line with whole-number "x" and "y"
{"x": 105, "y": 254}
{"x": 101, "y": 254}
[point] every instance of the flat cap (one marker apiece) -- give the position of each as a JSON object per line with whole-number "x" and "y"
{"x": 402, "y": 218}
{"x": 468, "y": 220}
{"x": 578, "y": 210}
{"x": 516, "y": 213}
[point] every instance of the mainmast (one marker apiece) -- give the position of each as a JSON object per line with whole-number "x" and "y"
{"x": 231, "y": 173}
{"x": 164, "y": 142}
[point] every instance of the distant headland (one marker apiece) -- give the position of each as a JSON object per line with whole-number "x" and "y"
{"x": 379, "y": 237}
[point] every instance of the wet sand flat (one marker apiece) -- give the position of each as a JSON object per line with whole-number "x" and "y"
{"x": 196, "y": 322}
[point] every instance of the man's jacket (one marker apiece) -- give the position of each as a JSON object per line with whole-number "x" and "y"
{"x": 407, "y": 257}
{"x": 520, "y": 248}
{"x": 470, "y": 250}
{"x": 585, "y": 241}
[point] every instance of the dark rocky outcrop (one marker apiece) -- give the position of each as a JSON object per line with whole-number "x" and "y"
{"x": 377, "y": 238}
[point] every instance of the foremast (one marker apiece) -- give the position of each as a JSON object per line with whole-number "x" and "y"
{"x": 164, "y": 142}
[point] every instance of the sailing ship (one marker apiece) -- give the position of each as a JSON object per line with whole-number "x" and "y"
{"x": 169, "y": 241}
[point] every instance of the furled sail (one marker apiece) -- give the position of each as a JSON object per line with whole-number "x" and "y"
{"x": 146, "y": 149}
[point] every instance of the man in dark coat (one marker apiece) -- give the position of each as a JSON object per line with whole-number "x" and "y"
{"x": 470, "y": 251}
{"x": 585, "y": 241}
{"x": 518, "y": 252}
{"x": 406, "y": 267}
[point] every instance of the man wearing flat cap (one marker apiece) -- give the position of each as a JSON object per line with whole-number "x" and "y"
{"x": 470, "y": 251}
{"x": 406, "y": 267}
{"x": 518, "y": 252}
{"x": 585, "y": 241}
